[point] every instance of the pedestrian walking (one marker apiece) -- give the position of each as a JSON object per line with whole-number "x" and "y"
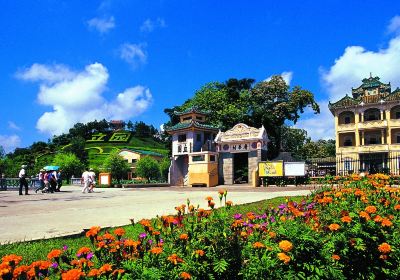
{"x": 22, "y": 180}
{"x": 86, "y": 181}
{"x": 59, "y": 180}
{"x": 41, "y": 175}
{"x": 92, "y": 176}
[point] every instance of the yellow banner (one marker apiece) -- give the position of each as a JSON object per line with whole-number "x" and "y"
{"x": 270, "y": 169}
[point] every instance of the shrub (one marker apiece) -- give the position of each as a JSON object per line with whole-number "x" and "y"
{"x": 148, "y": 168}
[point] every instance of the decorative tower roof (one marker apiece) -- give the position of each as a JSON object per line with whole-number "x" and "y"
{"x": 371, "y": 86}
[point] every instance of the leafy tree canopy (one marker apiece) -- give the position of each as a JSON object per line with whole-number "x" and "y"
{"x": 116, "y": 165}
{"x": 69, "y": 163}
{"x": 148, "y": 168}
{"x": 268, "y": 103}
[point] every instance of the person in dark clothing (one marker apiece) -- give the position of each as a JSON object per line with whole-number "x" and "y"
{"x": 59, "y": 180}
{"x": 22, "y": 180}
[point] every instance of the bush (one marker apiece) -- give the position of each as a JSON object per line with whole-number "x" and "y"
{"x": 116, "y": 165}
{"x": 347, "y": 232}
{"x": 148, "y": 168}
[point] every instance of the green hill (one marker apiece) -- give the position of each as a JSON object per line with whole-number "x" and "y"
{"x": 100, "y": 145}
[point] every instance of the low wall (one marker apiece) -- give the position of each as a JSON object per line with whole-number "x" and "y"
{"x": 145, "y": 185}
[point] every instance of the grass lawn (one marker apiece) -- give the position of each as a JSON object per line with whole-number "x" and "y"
{"x": 37, "y": 250}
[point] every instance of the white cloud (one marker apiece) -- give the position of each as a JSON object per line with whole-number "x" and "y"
{"x": 134, "y": 54}
{"x": 10, "y": 142}
{"x": 12, "y": 125}
{"x": 286, "y": 76}
{"x": 149, "y": 25}
{"x": 319, "y": 126}
{"x": 394, "y": 25}
{"x": 46, "y": 73}
{"x": 102, "y": 25}
{"x": 80, "y": 99}
{"x": 355, "y": 64}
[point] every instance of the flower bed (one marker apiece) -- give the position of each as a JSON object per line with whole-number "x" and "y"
{"x": 350, "y": 231}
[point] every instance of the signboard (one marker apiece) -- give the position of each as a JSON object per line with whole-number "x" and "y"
{"x": 270, "y": 169}
{"x": 295, "y": 168}
{"x": 121, "y": 136}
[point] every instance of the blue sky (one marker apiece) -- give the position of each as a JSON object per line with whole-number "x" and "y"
{"x": 69, "y": 61}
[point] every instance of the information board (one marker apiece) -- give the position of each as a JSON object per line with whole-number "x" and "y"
{"x": 295, "y": 168}
{"x": 270, "y": 169}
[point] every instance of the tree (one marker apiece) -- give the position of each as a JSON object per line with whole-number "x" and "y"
{"x": 269, "y": 103}
{"x": 2, "y": 152}
{"x": 77, "y": 147}
{"x": 164, "y": 168}
{"x": 116, "y": 165}
{"x": 69, "y": 163}
{"x": 148, "y": 168}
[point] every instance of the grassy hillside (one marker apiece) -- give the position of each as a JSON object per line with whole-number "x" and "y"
{"x": 98, "y": 151}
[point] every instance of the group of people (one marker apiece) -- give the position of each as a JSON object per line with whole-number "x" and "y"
{"x": 89, "y": 180}
{"x": 50, "y": 181}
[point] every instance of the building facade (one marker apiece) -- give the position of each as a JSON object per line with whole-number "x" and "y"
{"x": 367, "y": 127}
{"x": 203, "y": 155}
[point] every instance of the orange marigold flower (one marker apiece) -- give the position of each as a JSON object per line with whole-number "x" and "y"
{"x": 119, "y": 231}
{"x": 370, "y": 209}
{"x": 93, "y": 231}
{"x": 175, "y": 259}
{"x": 185, "y": 275}
{"x": 334, "y": 227}
{"x": 156, "y": 250}
{"x": 364, "y": 215}
{"x": 243, "y": 234}
{"x": 131, "y": 243}
{"x": 386, "y": 223}
{"x": 384, "y": 248}
{"x": 108, "y": 236}
{"x": 285, "y": 245}
{"x": 199, "y": 253}
{"x": 397, "y": 207}
{"x": 18, "y": 271}
{"x": 258, "y": 245}
{"x": 272, "y": 234}
{"x": 211, "y": 204}
{"x": 83, "y": 251}
{"x": 221, "y": 192}
{"x": 11, "y": 259}
{"x": 378, "y": 219}
{"x": 73, "y": 274}
{"x": 335, "y": 257}
{"x": 145, "y": 222}
{"x": 156, "y": 232}
{"x": 93, "y": 273}
{"x": 183, "y": 236}
{"x": 105, "y": 268}
{"x": 229, "y": 203}
{"x": 283, "y": 257}
{"x": 346, "y": 219}
{"x": 209, "y": 198}
{"x": 54, "y": 254}
{"x": 383, "y": 257}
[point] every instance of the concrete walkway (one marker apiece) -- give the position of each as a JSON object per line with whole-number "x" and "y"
{"x": 68, "y": 212}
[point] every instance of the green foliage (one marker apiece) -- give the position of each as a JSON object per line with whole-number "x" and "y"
{"x": 77, "y": 147}
{"x": 116, "y": 165}
{"x": 149, "y": 168}
{"x": 164, "y": 168}
{"x": 70, "y": 164}
{"x": 269, "y": 103}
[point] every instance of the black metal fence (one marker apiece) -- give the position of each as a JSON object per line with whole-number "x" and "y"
{"x": 370, "y": 163}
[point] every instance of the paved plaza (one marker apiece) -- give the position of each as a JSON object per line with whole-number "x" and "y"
{"x": 69, "y": 212}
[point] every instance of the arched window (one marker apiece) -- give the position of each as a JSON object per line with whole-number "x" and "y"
{"x": 372, "y": 114}
{"x": 395, "y": 112}
{"x": 346, "y": 117}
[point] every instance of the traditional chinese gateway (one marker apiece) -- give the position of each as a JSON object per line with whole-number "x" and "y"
{"x": 367, "y": 128}
{"x": 203, "y": 155}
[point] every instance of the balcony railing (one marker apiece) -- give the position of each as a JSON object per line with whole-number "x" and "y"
{"x": 346, "y": 127}
{"x": 183, "y": 148}
{"x": 373, "y": 124}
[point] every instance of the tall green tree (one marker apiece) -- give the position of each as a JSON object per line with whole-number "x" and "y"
{"x": 70, "y": 164}
{"x": 269, "y": 103}
{"x": 148, "y": 168}
{"x": 116, "y": 165}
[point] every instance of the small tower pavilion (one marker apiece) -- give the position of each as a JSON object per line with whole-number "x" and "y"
{"x": 194, "y": 159}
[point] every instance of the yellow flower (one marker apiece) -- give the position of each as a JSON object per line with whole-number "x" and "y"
{"x": 283, "y": 257}
{"x": 285, "y": 245}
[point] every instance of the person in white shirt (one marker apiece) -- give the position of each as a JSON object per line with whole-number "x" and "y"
{"x": 86, "y": 181}
{"x": 41, "y": 176}
{"x": 22, "y": 180}
{"x": 92, "y": 176}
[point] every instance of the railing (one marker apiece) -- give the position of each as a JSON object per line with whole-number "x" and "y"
{"x": 346, "y": 127}
{"x": 184, "y": 148}
{"x": 13, "y": 183}
{"x": 372, "y": 124}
